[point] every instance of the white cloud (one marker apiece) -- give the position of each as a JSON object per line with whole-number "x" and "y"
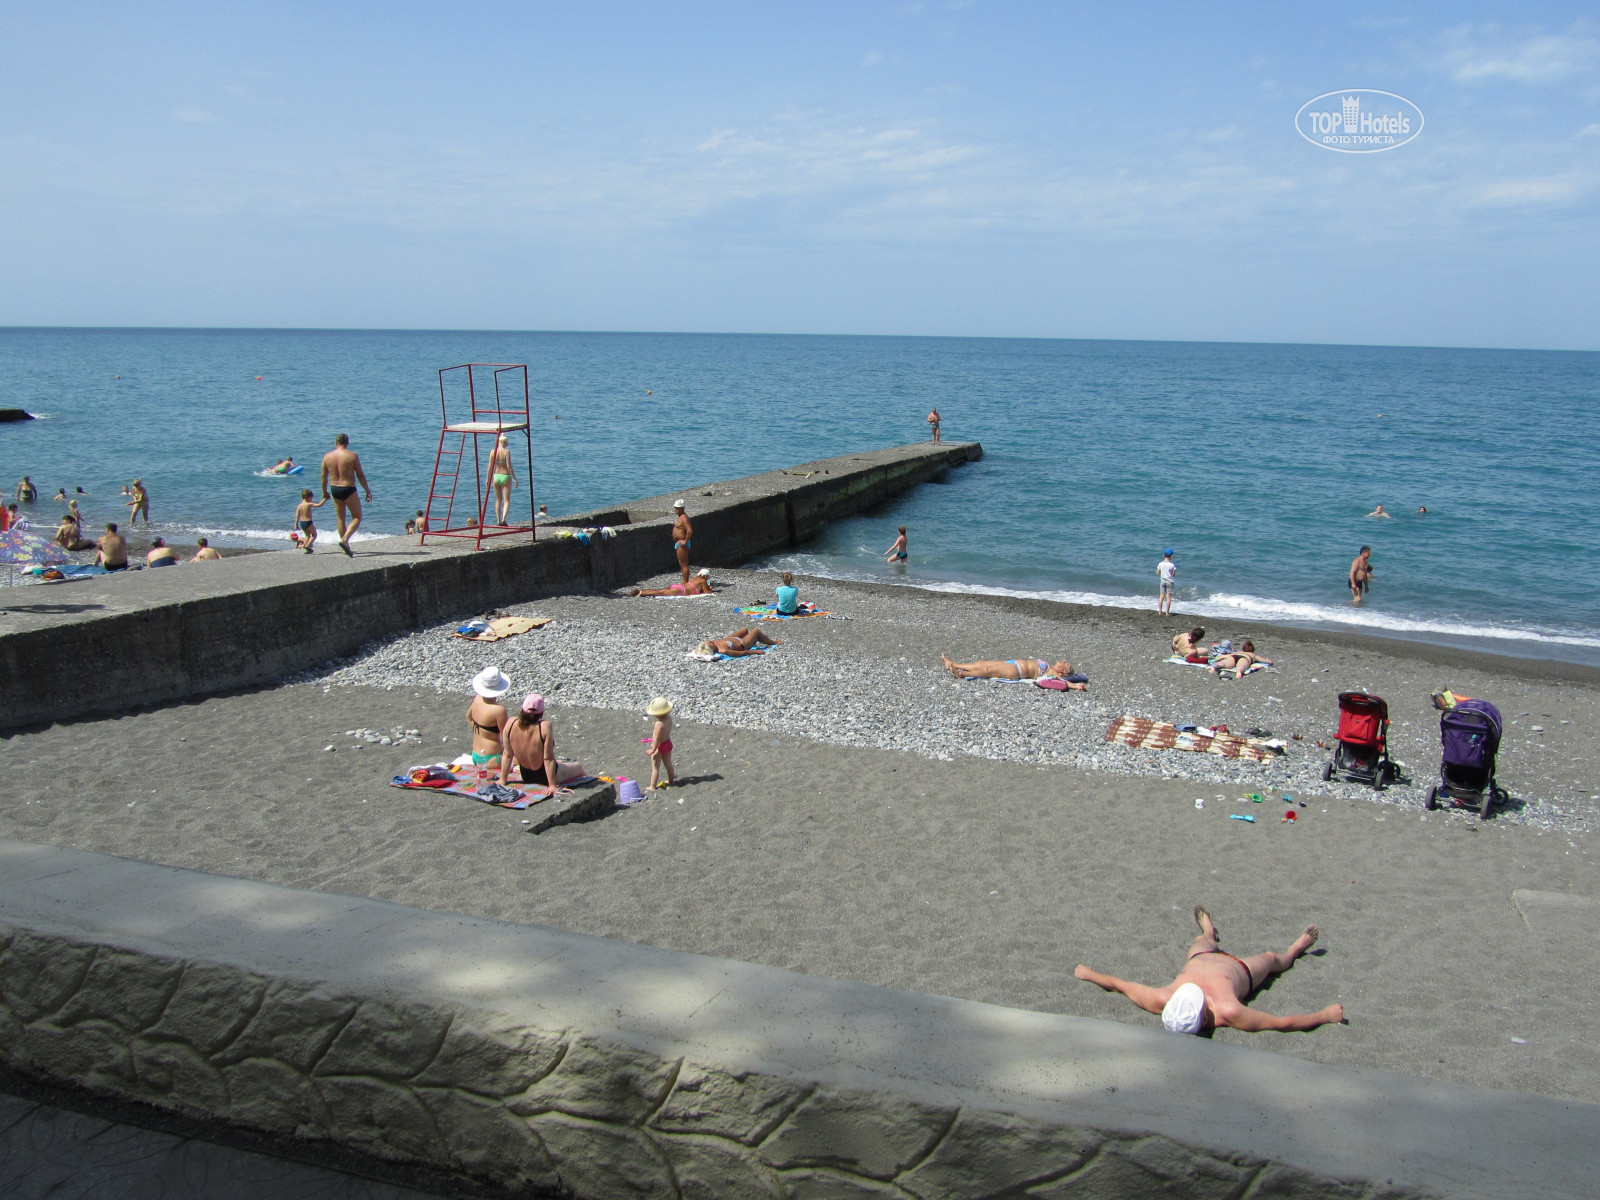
{"x": 1528, "y": 193}
{"x": 871, "y": 58}
{"x": 1590, "y": 131}
{"x": 1485, "y": 54}
{"x": 190, "y": 115}
{"x": 716, "y": 139}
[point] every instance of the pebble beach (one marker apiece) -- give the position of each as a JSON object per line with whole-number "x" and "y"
{"x": 870, "y": 675}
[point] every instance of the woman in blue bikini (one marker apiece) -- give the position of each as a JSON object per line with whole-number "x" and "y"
{"x": 1015, "y": 669}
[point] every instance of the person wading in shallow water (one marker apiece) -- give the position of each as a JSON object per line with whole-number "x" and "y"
{"x": 1212, "y": 990}
{"x": 341, "y": 471}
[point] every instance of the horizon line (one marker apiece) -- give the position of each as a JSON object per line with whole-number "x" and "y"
{"x": 768, "y": 334}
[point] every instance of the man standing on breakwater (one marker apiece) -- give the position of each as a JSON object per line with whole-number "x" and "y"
{"x": 341, "y": 471}
{"x": 933, "y": 423}
{"x": 682, "y": 532}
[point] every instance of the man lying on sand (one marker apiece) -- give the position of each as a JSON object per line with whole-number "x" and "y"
{"x": 738, "y": 644}
{"x": 1212, "y": 989}
{"x": 699, "y": 585}
{"x": 1013, "y": 668}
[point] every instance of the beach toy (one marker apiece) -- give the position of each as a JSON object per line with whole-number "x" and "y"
{"x": 1241, "y": 817}
{"x": 1199, "y": 802}
{"x": 1289, "y": 816}
{"x": 628, "y": 791}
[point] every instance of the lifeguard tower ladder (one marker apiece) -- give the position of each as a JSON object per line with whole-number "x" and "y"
{"x": 507, "y": 415}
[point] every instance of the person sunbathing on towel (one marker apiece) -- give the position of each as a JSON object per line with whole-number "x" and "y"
{"x": 1212, "y": 990}
{"x": 1241, "y": 660}
{"x": 1013, "y": 668}
{"x": 738, "y": 644}
{"x": 1187, "y": 645}
{"x": 699, "y": 585}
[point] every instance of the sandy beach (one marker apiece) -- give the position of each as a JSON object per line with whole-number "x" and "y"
{"x": 850, "y": 810}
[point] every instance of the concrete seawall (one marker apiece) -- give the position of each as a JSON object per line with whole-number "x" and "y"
{"x": 109, "y": 644}
{"x": 552, "y": 1063}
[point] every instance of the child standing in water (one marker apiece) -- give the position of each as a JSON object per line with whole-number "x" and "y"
{"x": 660, "y": 742}
{"x": 303, "y": 521}
{"x": 897, "y": 552}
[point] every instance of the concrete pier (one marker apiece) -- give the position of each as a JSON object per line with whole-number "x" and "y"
{"x": 108, "y": 644}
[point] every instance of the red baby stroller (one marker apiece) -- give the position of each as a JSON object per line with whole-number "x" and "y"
{"x": 1361, "y": 753}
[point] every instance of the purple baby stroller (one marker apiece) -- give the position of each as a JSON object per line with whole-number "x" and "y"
{"x": 1471, "y": 735}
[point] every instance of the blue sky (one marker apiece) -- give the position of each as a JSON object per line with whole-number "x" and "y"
{"x": 1053, "y": 170}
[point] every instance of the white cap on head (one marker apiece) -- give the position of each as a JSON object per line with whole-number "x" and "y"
{"x": 677, "y": 504}
{"x": 704, "y": 572}
{"x": 1186, "y": 1011}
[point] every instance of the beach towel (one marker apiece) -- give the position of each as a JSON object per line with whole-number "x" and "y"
{"x": 699, "y": 657}
{"x": 1141, "y": 733}
{"x": 501, "y": 628}
{"x": 474, "y": 782}
{"x": 769, "y": 612}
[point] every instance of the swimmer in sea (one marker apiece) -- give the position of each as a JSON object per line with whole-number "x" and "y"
{"x": 503, "y": 477}
{"x": 26, "y": 492}
{"x": 1378, "y": 512}
{"x": 284, "y": 467}
{"x": 341, "y": 471}
{"x": 1423, "y": 511}
{"x": 682, "y": 534}
{"x": 897, "y": 552}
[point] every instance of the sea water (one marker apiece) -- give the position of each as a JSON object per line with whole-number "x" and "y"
{"x": 1258, "y": 464}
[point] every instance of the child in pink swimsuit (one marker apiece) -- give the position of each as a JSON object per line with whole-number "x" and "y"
{"x": 660, "y": 742}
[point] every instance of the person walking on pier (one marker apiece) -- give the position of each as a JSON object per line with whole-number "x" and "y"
{"x": 1212, "y": 990}
{"x": 682, "y": 533}
{"x": 341, "y": 471}
{"x": 933, "y": 423}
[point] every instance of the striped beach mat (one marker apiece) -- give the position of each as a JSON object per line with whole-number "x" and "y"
{"x": 1141, "y": 733}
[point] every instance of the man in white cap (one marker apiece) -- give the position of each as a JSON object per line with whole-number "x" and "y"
{"x": 1212, "y": 989}
{"x": 682, "y": 531}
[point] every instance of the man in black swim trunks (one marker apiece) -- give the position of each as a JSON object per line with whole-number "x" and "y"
{"x": 111, "y": 551}
{"x": 341, "y": 471}
{"x": 1213, "y": 988}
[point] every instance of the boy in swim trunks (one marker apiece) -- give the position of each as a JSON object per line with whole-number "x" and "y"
{"x": 1212, "y": 990}
{"x": 341, "y": 471}
{"x": 1166, "y": 572}
{"x": 897, "y": 552}
{"x": 660, "y": 742}
{"x": 303, "y": 521}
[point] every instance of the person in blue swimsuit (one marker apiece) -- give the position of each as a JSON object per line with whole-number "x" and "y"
{"x": 682, "y": 532}
{"x": 1016, "y": 670}
{"x": 897, "y": 552}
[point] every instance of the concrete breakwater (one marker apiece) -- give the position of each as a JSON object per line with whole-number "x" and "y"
{"x": 109, "y": 644}
{"x": 549, "y": 1063}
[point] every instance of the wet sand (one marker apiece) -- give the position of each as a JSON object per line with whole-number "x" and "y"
{"x": 985, "y": 878}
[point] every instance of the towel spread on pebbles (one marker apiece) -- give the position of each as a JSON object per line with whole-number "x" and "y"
{"x": 505, "y": 627}
{"x": 1141, "y": 733}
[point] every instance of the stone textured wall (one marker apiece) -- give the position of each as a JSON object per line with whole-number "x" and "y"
{"x": 549, "y": 1111}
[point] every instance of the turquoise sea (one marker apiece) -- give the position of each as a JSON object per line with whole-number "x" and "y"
{"x": 1257, "y": 463}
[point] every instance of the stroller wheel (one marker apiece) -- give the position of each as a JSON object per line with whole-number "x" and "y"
{"x": 1327, "y": 771}
{"x": 1431, "y": 801}
{"x": 1488, "y": 803}
{"x": 1379, "y": 779}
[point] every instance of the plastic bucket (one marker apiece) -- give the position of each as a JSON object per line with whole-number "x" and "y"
{"x": 628, "y": 791}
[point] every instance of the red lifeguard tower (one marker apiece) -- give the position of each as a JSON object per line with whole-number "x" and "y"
{"x": 467, "y": 388}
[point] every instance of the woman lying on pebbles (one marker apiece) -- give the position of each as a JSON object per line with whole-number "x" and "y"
{"x": 1240, "y": 661}
{"x": 698, "y": 585}
{"x": 738, "y": 644}
{"x": 1015, "y": 669}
